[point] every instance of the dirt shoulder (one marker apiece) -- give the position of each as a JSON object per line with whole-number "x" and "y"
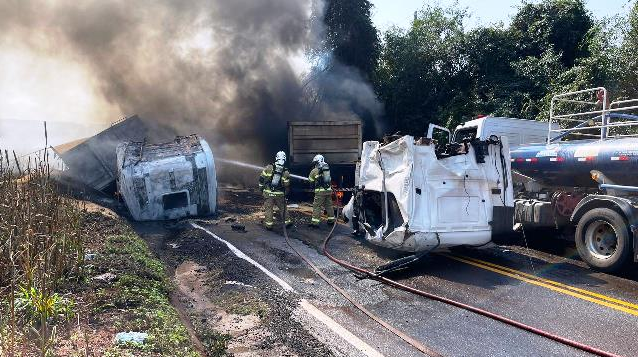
{"x": 231, "y": 305}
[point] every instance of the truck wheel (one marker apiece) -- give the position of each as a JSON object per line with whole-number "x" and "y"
{"x": 603, "y": 240}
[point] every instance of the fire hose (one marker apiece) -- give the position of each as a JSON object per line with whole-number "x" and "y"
{"x": 426, "y": 350}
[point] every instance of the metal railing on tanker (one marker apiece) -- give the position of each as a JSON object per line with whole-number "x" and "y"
{"x": 588, "y": 114}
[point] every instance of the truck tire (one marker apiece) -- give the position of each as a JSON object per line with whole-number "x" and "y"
{"x": 603, "y": 240}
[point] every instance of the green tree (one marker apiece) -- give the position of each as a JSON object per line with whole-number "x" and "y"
{"x": 558, "y": 25}
{"x": 423, "y": 74}
{"x": 545, "y": 48}
{"x": 435, "y": 72}
{"x": 601, "y": 68}
{"x": 497, "y": 90}
{"x": 628, "y": 56}
{"x": 350, "y": 34}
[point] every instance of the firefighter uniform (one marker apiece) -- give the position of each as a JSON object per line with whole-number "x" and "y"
{"x": 274, "y": 182}
{"x": 320, "y": 178}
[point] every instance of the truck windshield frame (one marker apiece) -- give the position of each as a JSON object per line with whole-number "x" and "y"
{"x": 462, "y": 134}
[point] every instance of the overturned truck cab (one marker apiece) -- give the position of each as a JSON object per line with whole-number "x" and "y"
{"x": 415, "y": 196}
{"x": 167, "y": 181}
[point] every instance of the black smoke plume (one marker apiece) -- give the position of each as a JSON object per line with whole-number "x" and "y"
{"x": 220, "y": 68}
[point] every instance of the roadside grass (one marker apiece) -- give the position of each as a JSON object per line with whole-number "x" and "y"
{"x": 215, "y": 343}
{"x": 140, "y": 296}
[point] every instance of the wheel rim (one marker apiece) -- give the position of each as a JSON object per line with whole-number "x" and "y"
{"x": 601, "y": 240}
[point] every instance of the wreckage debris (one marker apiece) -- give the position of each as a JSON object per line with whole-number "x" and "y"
{"x": 92, "y": 161}
{"x": 238, "y": 227}
{"x": 167, "y": 181}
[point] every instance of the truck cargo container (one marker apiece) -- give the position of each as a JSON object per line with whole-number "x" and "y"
{"x": 338, "y": 141}
{"x": 92, "y": 161}
{"x": 517, "y": 131}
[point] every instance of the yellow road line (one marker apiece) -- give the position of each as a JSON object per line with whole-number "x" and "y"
{"x": 579, "y": 290}
{"x": 547, "y": 286}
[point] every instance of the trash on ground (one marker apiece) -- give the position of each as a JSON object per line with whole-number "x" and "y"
{"x": 134, "y": 337}
{"x": 106, "y": 277}
{"x": 232, "y": 282}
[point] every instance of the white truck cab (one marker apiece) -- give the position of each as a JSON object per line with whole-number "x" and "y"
{"x": 416, "y": 195}
{"x": 517, "y": 131}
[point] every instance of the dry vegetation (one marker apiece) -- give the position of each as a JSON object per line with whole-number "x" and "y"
{"x": 52, "y": 252}
{"x": 40, "y": 245}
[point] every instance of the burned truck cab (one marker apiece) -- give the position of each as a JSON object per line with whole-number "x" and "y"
{"x": 167, "y": 181}
{"x": 414, "y": 195}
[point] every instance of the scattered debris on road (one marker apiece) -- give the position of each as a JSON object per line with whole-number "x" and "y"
{"x": 238, "y": 227}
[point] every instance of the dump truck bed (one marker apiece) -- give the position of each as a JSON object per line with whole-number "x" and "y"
{"x": 338, "y": 141}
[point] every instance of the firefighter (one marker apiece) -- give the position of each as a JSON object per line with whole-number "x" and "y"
{"x": 320, "y": 178}
{"x": 274, "y": 182}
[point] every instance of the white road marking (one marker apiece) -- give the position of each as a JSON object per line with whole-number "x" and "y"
{"x": 341, "y": 331}
{"x": 243, "y": 256}
{"x": 334, "y": 326}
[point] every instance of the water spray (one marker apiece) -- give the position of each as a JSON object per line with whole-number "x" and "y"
{"x": 255, "y": 167}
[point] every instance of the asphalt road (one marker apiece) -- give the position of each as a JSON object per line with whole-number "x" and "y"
{"x": 544, "y": 290}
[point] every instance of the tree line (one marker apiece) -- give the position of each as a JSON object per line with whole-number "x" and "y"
{"x": 437, "y": 71}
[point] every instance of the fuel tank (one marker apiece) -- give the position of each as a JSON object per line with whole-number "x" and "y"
{"x": 569, "y": 163}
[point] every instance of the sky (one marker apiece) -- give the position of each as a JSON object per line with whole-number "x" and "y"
{"x": 401, "y": 12}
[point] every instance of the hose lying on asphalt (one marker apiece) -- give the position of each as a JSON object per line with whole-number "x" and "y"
{"x": 405, "y": 337}
{"x": 398, "y": 285}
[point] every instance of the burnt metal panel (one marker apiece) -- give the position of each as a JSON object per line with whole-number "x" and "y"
{"x": 203, "y": 204}
{"x": 338, "y": 141}
{"x": 94, "y": 162}
{"x": 140, "y": 191}
{"x": 198, "y": 189}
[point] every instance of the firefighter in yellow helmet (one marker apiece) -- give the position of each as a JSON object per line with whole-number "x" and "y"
{"x": 320, "y": 178}
{"x": 274, "y": 182}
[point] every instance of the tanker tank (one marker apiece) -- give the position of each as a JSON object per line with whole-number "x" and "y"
{"x": 568, "y": 163}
